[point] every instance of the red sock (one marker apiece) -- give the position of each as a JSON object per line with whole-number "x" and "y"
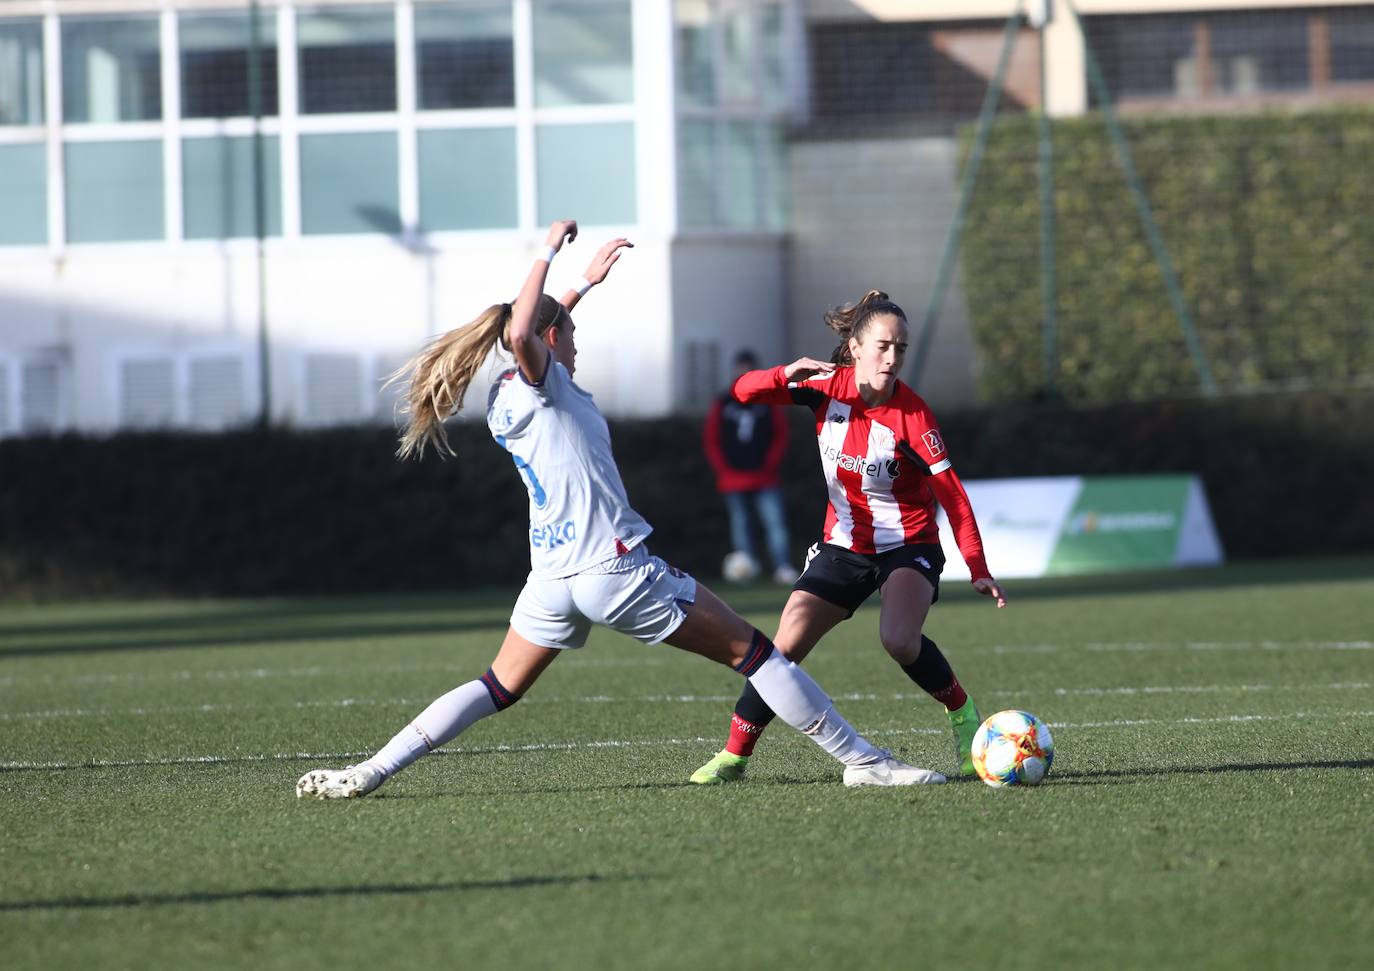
{"x": 744, "y": 735}
{"x": 953, "y": 698}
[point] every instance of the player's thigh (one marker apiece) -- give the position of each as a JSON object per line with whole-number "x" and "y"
{"x": 520, "y": 661}
{"x": 907, "y": 597}
{"x": 805, "y": 620}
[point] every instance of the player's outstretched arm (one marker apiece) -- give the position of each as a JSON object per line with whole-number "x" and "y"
{"x": 598, "y": 270}
{"x": 531, "y": 353}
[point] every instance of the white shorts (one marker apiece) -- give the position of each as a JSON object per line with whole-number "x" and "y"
{"x": 636, "y": 594}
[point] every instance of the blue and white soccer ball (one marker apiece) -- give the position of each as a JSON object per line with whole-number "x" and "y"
{"x": 1013, "y": 748}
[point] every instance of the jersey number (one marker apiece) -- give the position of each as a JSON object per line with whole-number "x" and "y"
{"x": 537, "y": 492}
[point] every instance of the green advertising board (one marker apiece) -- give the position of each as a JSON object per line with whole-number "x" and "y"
{"x": 1122, "y": 522}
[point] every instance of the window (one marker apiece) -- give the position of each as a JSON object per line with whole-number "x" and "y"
{"x": 23, "y": 194}
{"x": 465, "y": 55}
{"x": 733, "y": 110}
{"x": 347, "y": 59}
{"x": 1259, "y": 51}
{"x": 1352, "y": 44}
{"x": 114, "y": 191}
{"x": 216, "y": 64}
{"x": 21, "y": 73}
{"x": 217, "y": 187}
{"x": 349, "y": 183}
{"x": 695, "y": 62}
{"x": 111, "y": 69}
{"x": 467, "y": 179}
{"x": 583, "y": 52}
{"x": 588, "y": 169}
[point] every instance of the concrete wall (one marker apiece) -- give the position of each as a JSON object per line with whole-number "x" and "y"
{"x": 873, "y": 214}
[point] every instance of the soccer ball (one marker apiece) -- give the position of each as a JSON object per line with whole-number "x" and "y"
{"x": 739, "y": 567}
{"x": 1013, "y": 748}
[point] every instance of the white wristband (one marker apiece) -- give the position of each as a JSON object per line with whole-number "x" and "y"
{"x": 582, "y": 286}
{"x": 547, "y": 254}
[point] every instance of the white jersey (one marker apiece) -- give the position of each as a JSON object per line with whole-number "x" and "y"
{"x": 579, "y": 515}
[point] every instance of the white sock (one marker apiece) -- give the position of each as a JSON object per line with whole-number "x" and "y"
{"x": 799, "y": 701}
{"x": 444, "y": 720}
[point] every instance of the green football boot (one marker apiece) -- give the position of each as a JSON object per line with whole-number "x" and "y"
{"x": 723, "y": 767}
{"x": 965, "y": 722}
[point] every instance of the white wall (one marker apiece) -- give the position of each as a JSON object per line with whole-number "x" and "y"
{"x": 366, "y": 297}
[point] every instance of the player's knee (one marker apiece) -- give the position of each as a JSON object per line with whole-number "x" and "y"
{"x": 902, "y": 646}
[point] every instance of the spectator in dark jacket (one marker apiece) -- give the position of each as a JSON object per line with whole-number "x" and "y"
{"x": 745, "y": 445}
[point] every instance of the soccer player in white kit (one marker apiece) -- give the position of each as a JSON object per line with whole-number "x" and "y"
{"x": 588, "y": 562}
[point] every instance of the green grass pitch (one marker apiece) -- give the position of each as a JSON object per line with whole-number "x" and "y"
{"x": 1211, "y": 803}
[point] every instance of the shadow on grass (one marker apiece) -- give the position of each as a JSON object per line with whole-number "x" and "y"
{"x": 303, "y": 893}
{"x": 1104, "y": 776}
{"x": 253, "y": 629}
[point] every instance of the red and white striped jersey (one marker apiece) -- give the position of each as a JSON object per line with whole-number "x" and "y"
{"x": 880, "y": 498}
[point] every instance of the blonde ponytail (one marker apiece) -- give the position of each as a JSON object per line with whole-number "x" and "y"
{"x": 437, "y": 378}
{"x": 850, "y": 321}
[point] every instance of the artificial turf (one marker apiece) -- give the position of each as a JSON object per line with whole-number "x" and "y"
{"x": 1211, "y": 803}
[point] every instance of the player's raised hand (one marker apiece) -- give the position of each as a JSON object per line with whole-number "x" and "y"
{"x": 605, "y": 259}
{"x": 989, "y": 587}
{"x": 808, "y": 367}
{"x": 562, "y": 229}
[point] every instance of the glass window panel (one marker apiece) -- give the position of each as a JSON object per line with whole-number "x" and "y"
{"x": 1352, "y": 44}
{"x": 21, "y": 73}
{"x": 696, "y": 66}
{"x": 1146, "y": 56}
{"x": 739, "y": 52}
{"x": 217, "y": 187}
{"x": 1259, "y": 51}
{"x": 114, "y": 191}
{"x": 111, "y": 69}
{"x": 465, "y": 55}
{"x": 773, "y": 51}
{"x": 741, "y": 171}
{"x": 349, "y": 183}
{"x": 347, "y": 59}
{"x": 23, "y": 195}
{"x": 583, "y": 52}
{"x": 696, "y": 156}
{"x": 215, "y": 64}
{"x": 586, "y": 172}
{"x": 468, "y": 179}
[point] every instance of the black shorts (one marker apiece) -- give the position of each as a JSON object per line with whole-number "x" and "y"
{"x": 846, "y": 579}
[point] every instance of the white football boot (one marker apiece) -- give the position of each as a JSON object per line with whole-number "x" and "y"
{"x": 347, "y": 783}
{"x": 888, "y": 771}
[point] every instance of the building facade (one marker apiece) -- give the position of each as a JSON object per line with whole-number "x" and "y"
{"x": 217, "y": 211}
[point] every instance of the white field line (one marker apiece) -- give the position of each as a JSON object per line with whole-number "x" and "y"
{"x": 613, "y": 743}
{"x": 642, "y": 660}
{"x": 853, "y": 696}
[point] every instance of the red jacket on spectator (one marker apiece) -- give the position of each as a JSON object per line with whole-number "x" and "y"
{"x": 744, "y": 443}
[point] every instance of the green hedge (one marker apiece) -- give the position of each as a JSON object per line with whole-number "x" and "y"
{"x": 280, "y": 512}
{"x": 1267, "y": 221}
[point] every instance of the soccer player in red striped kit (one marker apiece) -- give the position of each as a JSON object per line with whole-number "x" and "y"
{"x": 885, "y": 467}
